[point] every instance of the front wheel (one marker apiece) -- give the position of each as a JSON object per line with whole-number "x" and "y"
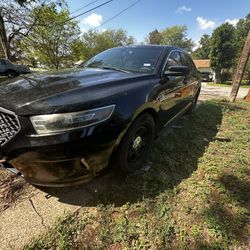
{"x": 135, "y": 146}
{"x": 11, "y": 73}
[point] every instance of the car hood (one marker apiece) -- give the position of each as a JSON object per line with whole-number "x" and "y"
{"x": 62, "y": 91}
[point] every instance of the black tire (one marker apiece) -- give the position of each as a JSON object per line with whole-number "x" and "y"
{"x": 135, "y": 146}
{"x": 11, "y": 73}
{"x": 194, "y": 103}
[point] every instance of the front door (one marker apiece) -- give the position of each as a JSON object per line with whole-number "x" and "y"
{"x": 172, "y": 91}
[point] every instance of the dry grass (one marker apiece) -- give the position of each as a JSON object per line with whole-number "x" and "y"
{"x": 12, "y": 188}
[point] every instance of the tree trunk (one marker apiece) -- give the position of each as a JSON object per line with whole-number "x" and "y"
{"x": 218, "y": 76}
{"x": 3, "y": 38}
{"x": 240, "y": 69}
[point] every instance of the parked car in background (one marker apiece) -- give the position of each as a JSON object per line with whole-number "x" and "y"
{"x": 9, "y": 69}
{"x": 59, "y": 128}
{"x": 206, "y": 76}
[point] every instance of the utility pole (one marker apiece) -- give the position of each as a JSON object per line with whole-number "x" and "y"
{"x": 240, "y": 69}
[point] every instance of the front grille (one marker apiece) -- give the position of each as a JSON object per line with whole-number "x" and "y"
{"x": 9, "y": 126}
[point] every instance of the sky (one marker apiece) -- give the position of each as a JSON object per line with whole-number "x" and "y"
{"x": 200, "y": 17}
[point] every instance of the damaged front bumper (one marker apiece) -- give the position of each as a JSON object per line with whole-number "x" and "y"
{"x": 61, "y": 159}
{"x": 56, "y": 173}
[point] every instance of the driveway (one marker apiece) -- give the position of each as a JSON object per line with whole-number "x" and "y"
{"x": 215, "y": 92}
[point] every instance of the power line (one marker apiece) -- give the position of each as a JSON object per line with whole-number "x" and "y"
{"x": 98, "y": 6}
{"x": 119, "y": 13}
{"x": 83, "y": 7}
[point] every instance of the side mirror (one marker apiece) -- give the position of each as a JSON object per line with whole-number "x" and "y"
{"x": 178, "y": 70}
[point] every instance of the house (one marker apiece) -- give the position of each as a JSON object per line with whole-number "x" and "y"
{"x": 207, "y": 73}
{"x": 203, "y": 65}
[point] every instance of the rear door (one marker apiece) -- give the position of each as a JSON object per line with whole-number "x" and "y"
{"x": 191, "y": 81}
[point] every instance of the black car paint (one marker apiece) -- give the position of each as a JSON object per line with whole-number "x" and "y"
{"x": 6, "y": 67}
{"x": 64, "y": 158}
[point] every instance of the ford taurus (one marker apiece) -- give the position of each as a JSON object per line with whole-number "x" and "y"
{"x": 59, "y": 128}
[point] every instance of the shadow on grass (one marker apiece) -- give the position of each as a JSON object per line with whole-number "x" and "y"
{"x": 226, "y": 223}
{"x": 174, "y": 158}
{"x": 238, "y": 189}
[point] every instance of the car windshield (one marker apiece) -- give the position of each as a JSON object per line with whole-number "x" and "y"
{"x": 131, "y": 59}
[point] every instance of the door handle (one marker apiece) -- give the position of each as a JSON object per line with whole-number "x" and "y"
{"x": 177, "y": 94}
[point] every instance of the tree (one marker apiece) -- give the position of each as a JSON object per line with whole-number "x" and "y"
{"x": 52, "y": 38}
{"x": 240, "y": 68}
{"x": 93, "y": 42}
{"x": 16, "y": 23}
{"x": 242, "y": 28}
{"x": 223, "y": 49}
{"x": 154, "y": 37}
{"x": 203, "y": 52}
{"x": 177, "y": 36}
{"x": 78, "y": 49}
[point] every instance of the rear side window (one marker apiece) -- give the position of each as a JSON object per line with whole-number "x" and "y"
{"x": 2, "y": 62}
{"x": 174, "y": 59}
{"x": 187, "y": 61}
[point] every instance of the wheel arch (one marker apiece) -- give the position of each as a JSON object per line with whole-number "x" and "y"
{"x": 142, "y": 110}
{"x": 151, "y": 111}
{"x": 146, "y": 110}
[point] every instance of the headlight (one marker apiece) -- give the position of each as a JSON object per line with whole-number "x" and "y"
{"x": 54, "y": 123}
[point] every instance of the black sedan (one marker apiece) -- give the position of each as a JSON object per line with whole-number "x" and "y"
{"x": 9, "y": 69}
{"x": 206, "y": 76}
{"x": 61, "y": 128}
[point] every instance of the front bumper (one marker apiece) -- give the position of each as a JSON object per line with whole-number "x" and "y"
{"x": 61, "y": 159}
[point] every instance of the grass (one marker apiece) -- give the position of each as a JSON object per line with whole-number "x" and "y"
{"x": 61, "y": 235}
{"x": 194, "y": 195}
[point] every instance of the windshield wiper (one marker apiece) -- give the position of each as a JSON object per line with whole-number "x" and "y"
{"x": 114, "y": 68}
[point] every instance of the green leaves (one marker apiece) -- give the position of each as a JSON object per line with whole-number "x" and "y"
{"x": 223, "y": 51}
{"x": 52, "y": 38}
{"x": 155, "y": 37}
{"x": 174, "y": 35}
{"x": 94, "y": 42}
{"x": 203, "y": 52}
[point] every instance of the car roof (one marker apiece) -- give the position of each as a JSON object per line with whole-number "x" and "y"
{"x": 169, "y": 47}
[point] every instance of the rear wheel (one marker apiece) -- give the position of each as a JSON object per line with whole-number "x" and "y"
{"x": 11, "y": 73}
{"x": 134, "y": 148}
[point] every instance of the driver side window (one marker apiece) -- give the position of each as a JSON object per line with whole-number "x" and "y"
{"x": 173, "y": 60}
